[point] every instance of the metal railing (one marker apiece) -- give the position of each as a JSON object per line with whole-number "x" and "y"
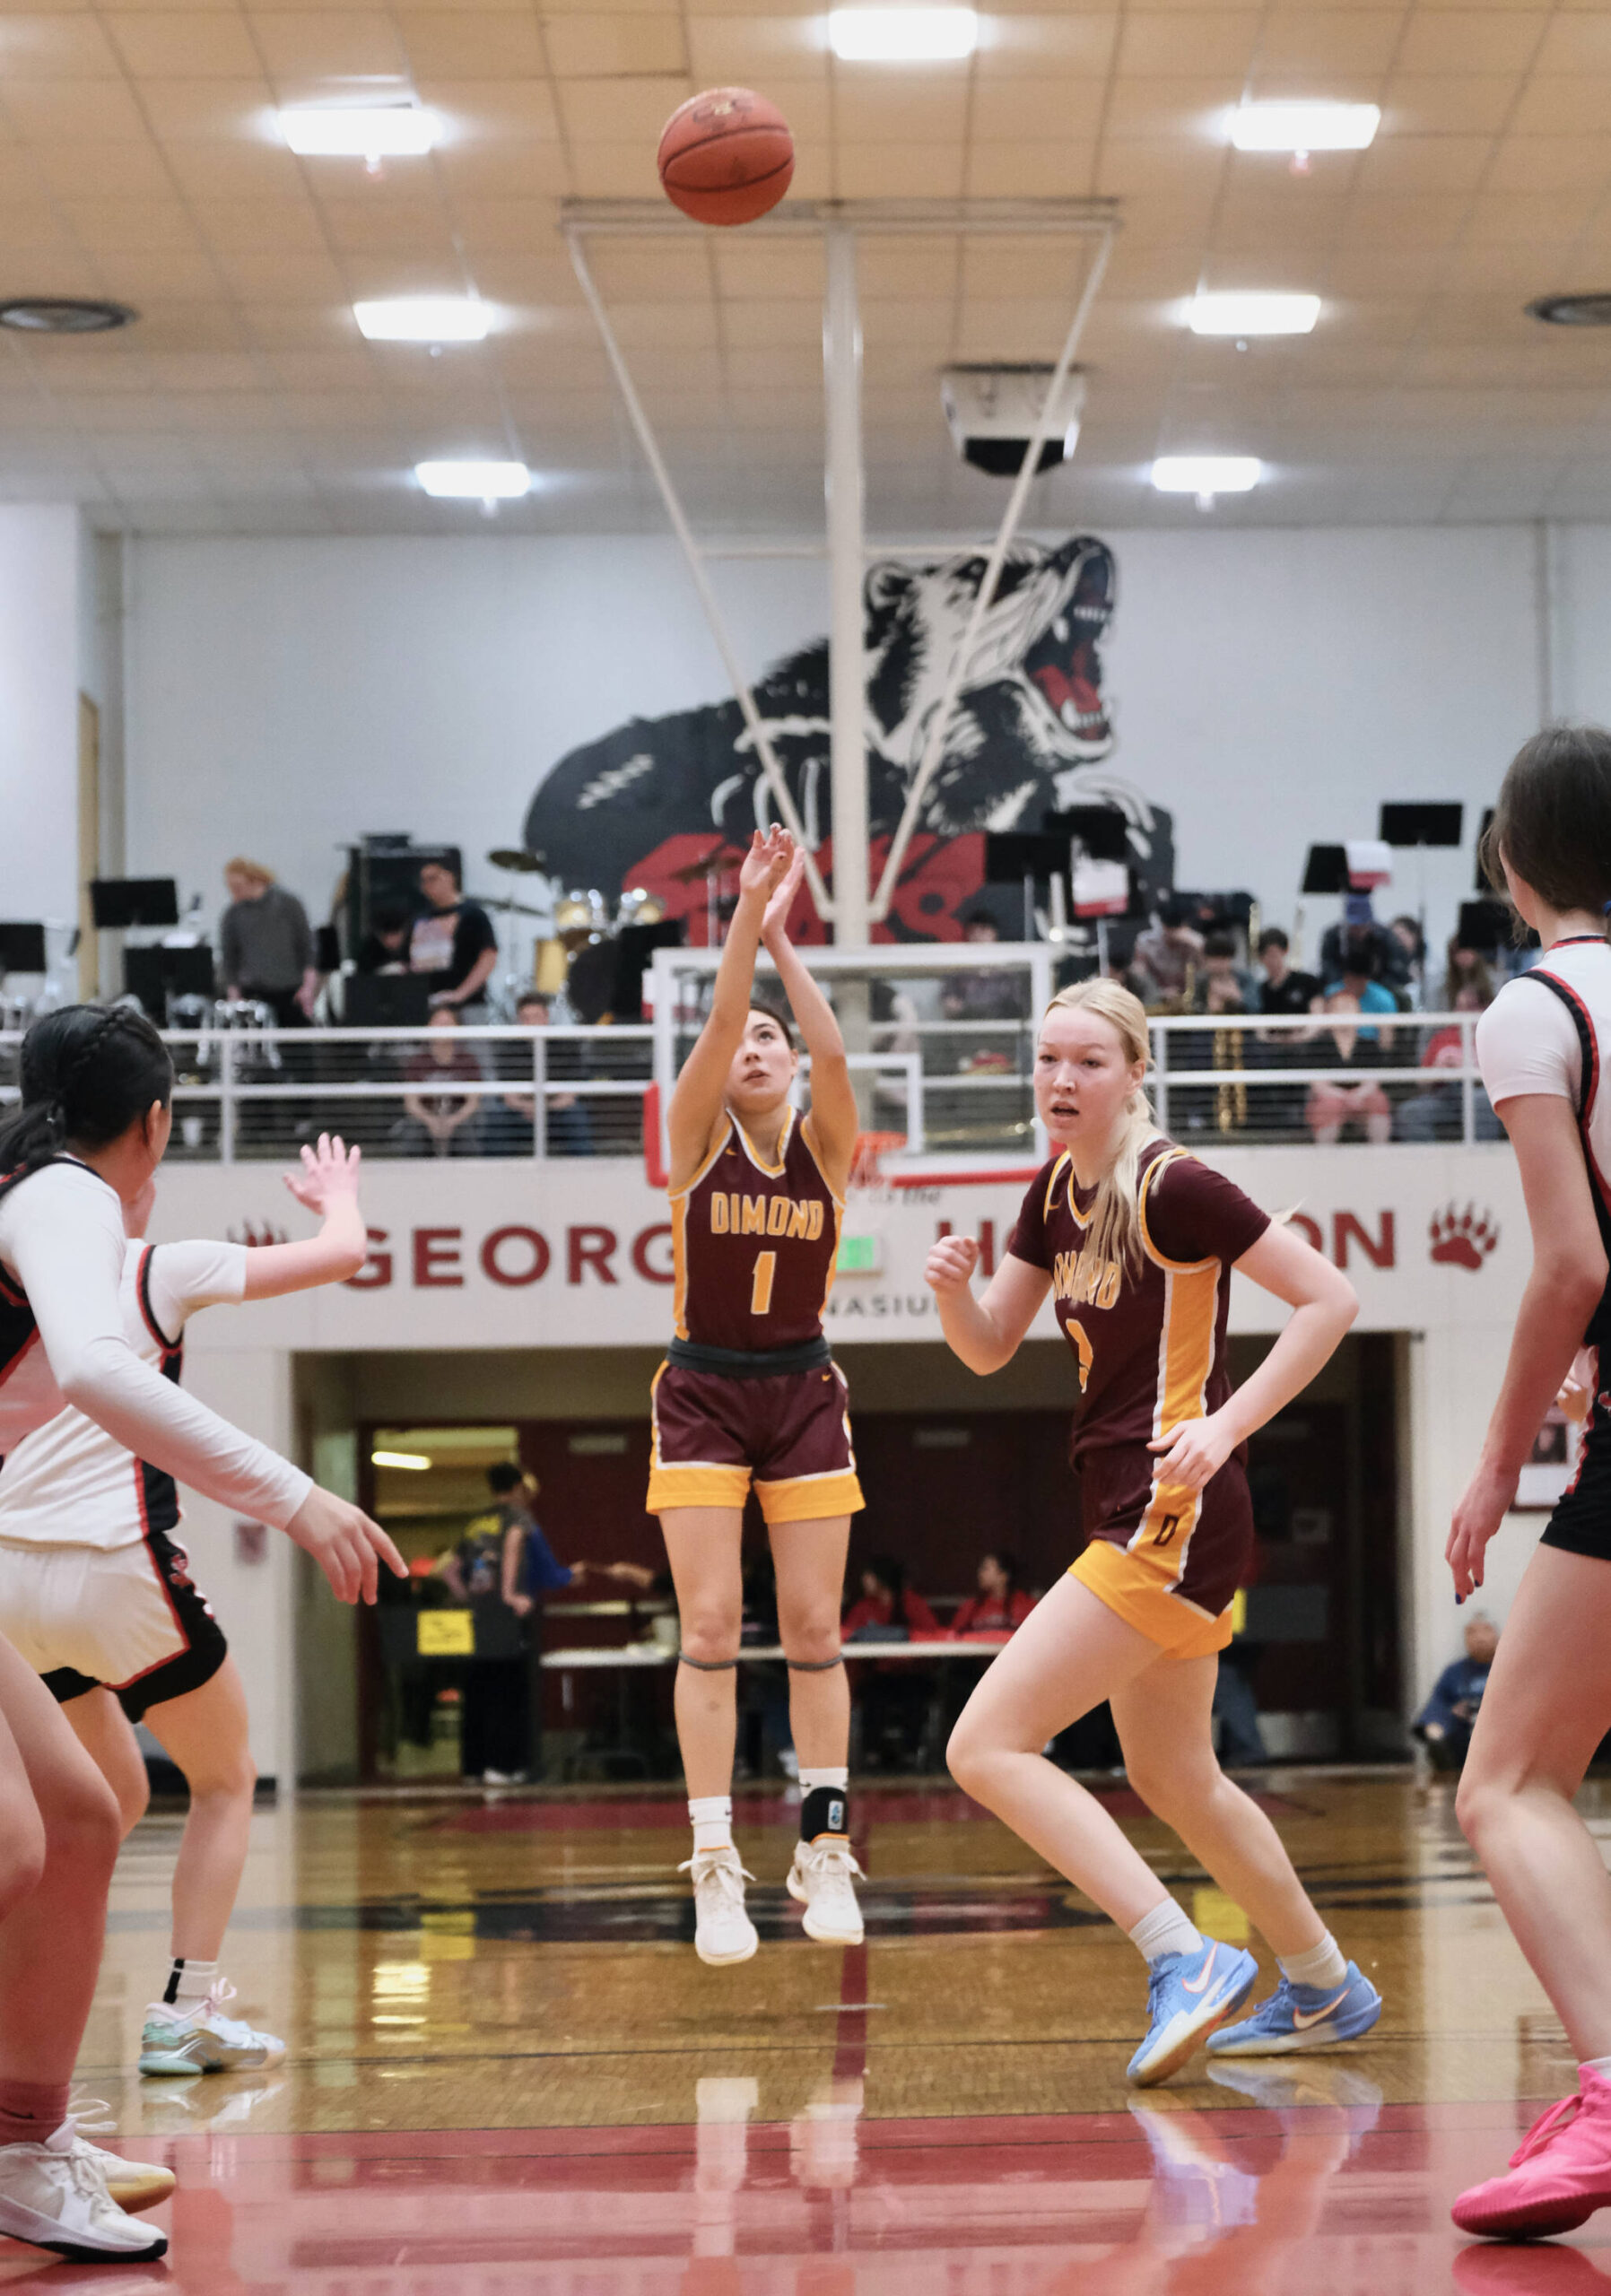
{"x": 942, "y": 1086}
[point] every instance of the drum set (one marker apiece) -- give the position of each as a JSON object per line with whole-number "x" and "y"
{"x": 579, "y": 957}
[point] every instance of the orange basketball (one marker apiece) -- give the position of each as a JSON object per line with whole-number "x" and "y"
{"x": 726, "y": 156}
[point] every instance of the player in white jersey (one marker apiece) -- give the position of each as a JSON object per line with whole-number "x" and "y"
{"x": 93, "y": 1126}
{"x": 1544, "y": 1044}
{"x": 97, "y": 1597}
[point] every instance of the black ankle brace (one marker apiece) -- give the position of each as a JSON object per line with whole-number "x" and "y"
{"x": 826, "y": 1809}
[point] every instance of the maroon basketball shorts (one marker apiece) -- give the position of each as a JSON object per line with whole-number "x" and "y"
{"x": 789, "y": 1434}
{"x": 1169, "y": 1560}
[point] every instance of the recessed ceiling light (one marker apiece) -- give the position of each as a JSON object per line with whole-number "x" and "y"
{"x": 359, "y": 131}
{"x": 474, "y": 482}
{"x": 63, "y": 315}
{"x": 902, "y": 35}
{"x": 1571, "y": 311}
{"x": 424, "y": 319}
{"x": 1252, "y": 314}
{"x": 415, "y": 1462}
{"x": 1207, "y": 476}
{"x": 1304, "y": 127}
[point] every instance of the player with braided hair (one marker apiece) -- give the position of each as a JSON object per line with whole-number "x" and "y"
{"x": 95, "y": 1117}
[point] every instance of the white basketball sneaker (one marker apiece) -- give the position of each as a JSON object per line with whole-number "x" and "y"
{"x": 53, "y": 2195}
{"x": 202, "y": 2040}
{"x": 821, "y": 1879}
{"x": 133, "y": 2185}
{"x": 723, "y": 1931}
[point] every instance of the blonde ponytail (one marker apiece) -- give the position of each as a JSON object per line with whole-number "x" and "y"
{"x": 1115, "y": 1230}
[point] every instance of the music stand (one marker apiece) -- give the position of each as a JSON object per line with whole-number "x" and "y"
{"x": 1480, "y": 881}
{"x": 1020, "y": 856}
{"x": 22, "y": 949}
{"x": 1442, "y": 824}
{"x": 1325, "y": 870}
{"x": 118, "y": 903}
{"x": 153, "y": 974}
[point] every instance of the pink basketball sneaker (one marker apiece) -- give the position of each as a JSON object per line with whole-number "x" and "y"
{"x": 1559, "y": 2174}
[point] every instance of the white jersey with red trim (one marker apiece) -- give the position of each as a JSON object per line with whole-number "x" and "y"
{"x": 1549, "y": 1031}
{"x": 70, "y": 1484}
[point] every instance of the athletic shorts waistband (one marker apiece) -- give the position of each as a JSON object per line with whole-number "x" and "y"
{"x": 741, "y": 1364}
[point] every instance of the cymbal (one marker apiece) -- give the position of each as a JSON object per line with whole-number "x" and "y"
{"x": 497, "y": 901}
{"x": 515, "y": 857}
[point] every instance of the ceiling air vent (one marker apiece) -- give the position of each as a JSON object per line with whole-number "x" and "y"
{"x": 63, "y": 315}
{"x": 1571, "y": 311}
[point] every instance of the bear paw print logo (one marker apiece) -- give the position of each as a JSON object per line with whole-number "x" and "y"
{"x": 1463, "y": 1238}
{"x": 254, "y": 1233}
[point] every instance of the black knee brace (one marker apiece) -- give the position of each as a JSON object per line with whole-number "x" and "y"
{"x": 813, "y": 1666}
{"x": 706, "y": 1666}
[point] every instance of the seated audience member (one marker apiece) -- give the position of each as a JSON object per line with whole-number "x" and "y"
{"x": 443, "y": 1123}
{"x": 383, "y": 948}
{"x": 1222, "y": 986}
{"x": 982, "y": 995}
{"x": 1388, "y": 958}
{"x": 452, "y": 941}
{"x": 1211, "y": 1107}
{"x": 567, "y": 1130}
{"x": 1282, "y": 989}
{"x": 1411, "y": 939}
{"x": 1167, "y": 956}
{"x": 893, "y": 1693}
{"x": 1465, "y": 967}
{"x": 1358, "y": 976}
{"x": 1443, "y": 1725}
{"x": 265, "y": 945}
{"x": 1436, "y": 1112}
{"x": 1332, "y": 1104}
{"x": 1000, "y": 1604}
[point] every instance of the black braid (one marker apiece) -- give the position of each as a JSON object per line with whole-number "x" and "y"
{"x": 89, "y": 1072}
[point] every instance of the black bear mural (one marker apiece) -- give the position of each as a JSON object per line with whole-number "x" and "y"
{"x": 661, "y": 800}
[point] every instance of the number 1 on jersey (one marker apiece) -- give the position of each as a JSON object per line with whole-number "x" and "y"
{"x": 760, "y": 1289}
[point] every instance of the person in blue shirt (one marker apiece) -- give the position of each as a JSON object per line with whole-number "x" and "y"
{"x": 1443, "y": 1725}
{"x": 531, "y": 1569}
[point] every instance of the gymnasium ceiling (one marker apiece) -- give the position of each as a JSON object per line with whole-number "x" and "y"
{"x": 138, "y": 160}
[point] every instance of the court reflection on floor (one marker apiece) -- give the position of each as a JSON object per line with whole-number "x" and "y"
{"x": 507, "y": 2069}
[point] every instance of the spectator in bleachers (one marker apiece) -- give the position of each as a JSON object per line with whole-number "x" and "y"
{"x": 385, "y": 946}
{"x": 1407, "y": 932}
{"x": 1389, "y": 958}
{"x": 1168, "y": 954}
{"x": 1444, "y": 1723}
{"x": 1333, "y": 1104}
{"x": 1001, "y": 1604}
{"x": 1283, "y": 989}
{"x": 1357, "y": 976}
{"x": 265, "y": 945}
{"x": 1222, "y": 986}
{"x": 894, "y": 1695}
{"x": 441, "y": 1122}
{"x": 1435, "y": 1112}
{"x": 453, "y": 941}
{"x": 567, "y": 1130}
{"x": 982, "y": 995}
{"x": 1465, "y": 966}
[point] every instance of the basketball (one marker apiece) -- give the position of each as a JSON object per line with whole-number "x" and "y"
{"x": 725, "y": 156}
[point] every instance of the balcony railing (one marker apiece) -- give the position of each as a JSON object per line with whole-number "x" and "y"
{"x": 951, "y": 1088}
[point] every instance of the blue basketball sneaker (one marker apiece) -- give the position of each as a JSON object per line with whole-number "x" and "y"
{"x": 1303, "y": 2016}
{"x": 1188, "y": 1994}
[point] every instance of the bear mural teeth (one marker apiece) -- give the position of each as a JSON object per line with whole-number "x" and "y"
{"x": 1462, "y": 1239}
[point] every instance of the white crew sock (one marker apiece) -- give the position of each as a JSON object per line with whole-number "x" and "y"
{"x": 712, "y": 1816}
{"x": 1322, "y": 1965}
{"x": 188, "y": 1984}
{"x": 1601, "y": 2065}
{"x": 810, "y": 1779}
{"x": 1166, "y": 1930}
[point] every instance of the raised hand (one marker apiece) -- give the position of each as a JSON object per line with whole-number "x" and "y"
{"x": 950, "y": 1262}
{"x": 766, "y": 864}
{"x": 775, "y": 923}
{"x": 329, "y": 1174}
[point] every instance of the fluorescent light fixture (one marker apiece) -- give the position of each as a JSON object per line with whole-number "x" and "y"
{"x": 1253, "y": 314}
{"x": 359, "y": 131}
{"x": 424, "y": 319}
{"x": 415, "y": 1462}
{"x": 1304, "y": 127}
{"x": 1207, "y": 476}
{"x": 474, "y": 482}
{"x": 902, "y": 35}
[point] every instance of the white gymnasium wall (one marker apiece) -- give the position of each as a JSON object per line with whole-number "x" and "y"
{"x": 39, "y": 648}
{"x": 1270, "y": 687}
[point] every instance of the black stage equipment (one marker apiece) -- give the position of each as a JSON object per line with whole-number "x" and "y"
{"x": 154, "y": 974}
{"x": 22, "y": 948}
{"x": 1422, "y": 824}
{"x": 118, "y": 903}
{"x": 386, "y": 1000}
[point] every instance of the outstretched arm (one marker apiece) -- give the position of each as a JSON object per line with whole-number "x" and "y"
{"x": 327, "y": 1184}
{"x": 835, "y": 1119}
{"x": 984, "y": 1332}
{"x": 1323, "y": 1304}
{"x": 696, "y": 1104}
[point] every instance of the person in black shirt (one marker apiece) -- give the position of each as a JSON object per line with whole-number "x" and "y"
{"x": 453, "y": 941}
{"x": 385, "y": 947}
{"x": 1283, "y": 989}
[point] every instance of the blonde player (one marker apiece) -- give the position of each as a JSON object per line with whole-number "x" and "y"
{"x": 98, "y": 1596}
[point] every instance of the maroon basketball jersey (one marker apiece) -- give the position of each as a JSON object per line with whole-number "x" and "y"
{"x": 755, "y": 1244}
